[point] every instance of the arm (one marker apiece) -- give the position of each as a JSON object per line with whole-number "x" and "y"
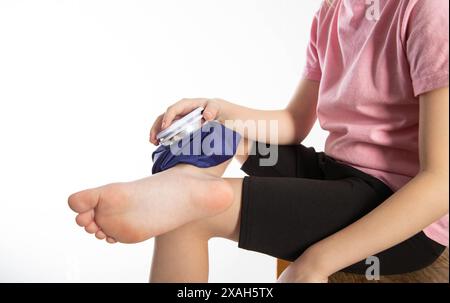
{"x": 294, "y": 123}
{"x": 420, "y": 203}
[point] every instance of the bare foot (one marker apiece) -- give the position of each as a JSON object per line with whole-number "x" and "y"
{"x": 137, "y": 211}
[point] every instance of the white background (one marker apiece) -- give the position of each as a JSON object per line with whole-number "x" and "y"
{"x": 80, "y": 85}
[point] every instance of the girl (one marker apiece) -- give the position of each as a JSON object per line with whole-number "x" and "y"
{"x": 376, "y": 77}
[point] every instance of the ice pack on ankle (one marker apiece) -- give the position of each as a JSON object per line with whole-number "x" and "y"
{"x": 210, "y": 145}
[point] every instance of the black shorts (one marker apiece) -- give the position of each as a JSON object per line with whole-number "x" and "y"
{"x": 308, "y": 196}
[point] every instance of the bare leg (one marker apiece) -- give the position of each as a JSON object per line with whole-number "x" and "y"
{"x": 182, "y": 255}
{"x": 176, "y": 204}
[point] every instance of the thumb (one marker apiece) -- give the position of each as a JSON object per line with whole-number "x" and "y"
{"x": 211, "y": 111}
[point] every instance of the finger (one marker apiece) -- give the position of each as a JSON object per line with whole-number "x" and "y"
{"x": 181, "y": 108}
{"x": 156, "y": 128}
{"x": 211, "y": 111}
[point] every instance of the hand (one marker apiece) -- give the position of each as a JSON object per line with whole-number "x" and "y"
{"x": 303, "y": 270}
{"x": 182, "y": 108}
{"x": 295, "y": 274}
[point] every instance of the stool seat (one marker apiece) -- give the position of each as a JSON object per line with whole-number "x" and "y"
{"x": 438, "y": 272}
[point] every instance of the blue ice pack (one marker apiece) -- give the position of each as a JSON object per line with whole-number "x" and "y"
{"x": 209, "y": 146}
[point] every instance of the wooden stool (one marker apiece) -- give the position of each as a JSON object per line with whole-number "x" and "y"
{"x": 438, "y": 272}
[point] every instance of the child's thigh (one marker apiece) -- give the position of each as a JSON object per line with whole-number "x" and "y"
{"x": 283, "y": 217}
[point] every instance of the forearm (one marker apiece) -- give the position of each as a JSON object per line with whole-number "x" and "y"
{"x": 283, "y": 127}
{"x": 267, "y": 126}
{"x": 420, "y": 203}
{"x": 293, "y": 123}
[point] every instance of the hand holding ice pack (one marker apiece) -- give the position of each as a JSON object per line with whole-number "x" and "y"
{"x": 210, "y": 145}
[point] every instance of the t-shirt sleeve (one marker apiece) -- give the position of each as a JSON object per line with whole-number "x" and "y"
{"x": 427, "y": 45}
{"x": 312, "y": 69}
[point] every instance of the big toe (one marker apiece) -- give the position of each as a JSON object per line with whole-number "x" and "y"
{"x": 84, "y": 201}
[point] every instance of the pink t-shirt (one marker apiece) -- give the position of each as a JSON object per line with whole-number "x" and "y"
{"x": 373, "y": 61}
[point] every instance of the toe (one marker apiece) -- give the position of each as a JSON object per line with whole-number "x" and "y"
{"x": 100, "y": 235}
{"x": 111, "y": 240}
{"x": 84, "y": 219}
{"x": 84, "y": 201}
{"x": 92, "y": 228}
